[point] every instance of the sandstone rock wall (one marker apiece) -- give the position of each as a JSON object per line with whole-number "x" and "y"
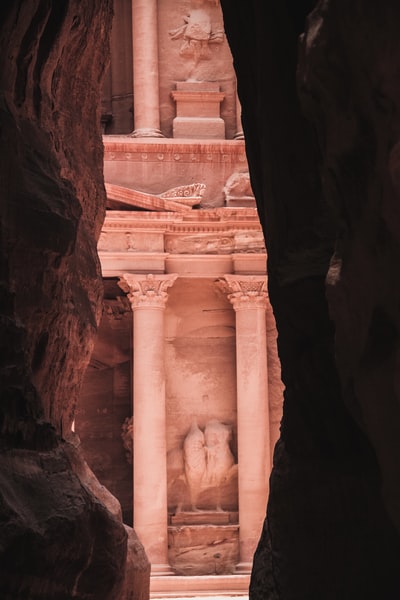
{"x": 320, "y": 116}
{"x": 57, "y": 540}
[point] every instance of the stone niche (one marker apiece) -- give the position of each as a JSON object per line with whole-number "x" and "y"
{"x": 201, "y": 430}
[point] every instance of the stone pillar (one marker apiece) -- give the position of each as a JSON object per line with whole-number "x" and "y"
{"x": 146, "y": 103}
{"x": 249, "y": 298}
{"x": 150, "y": 513}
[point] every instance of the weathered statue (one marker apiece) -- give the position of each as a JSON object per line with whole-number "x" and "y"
{"x": 205, "y": 462}
{"x": 197, "y": 34}
{"x": 219, "y": 458}
{"x": 195, "y": 462}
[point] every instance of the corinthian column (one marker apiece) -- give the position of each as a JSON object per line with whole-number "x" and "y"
{"x": 148, "y": 297}
{"x": 146, "y": 103}
{"x": 249, "y": 298}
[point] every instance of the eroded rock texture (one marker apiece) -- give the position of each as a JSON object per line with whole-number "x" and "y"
{"x": 57, "y": 540}
{"x": 321, "y": 119}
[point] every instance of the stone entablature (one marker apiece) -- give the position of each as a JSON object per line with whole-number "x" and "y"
{"x": 195, "y": 243}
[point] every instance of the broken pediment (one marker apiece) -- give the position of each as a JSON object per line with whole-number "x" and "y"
{"x": 178, "y": 199}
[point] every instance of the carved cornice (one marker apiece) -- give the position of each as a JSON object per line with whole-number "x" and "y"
{"x": 125, "y": 148}
{"x": 147, "y": 291}
{"x": 245, "y": 291}
{"x": 204, "y": 221}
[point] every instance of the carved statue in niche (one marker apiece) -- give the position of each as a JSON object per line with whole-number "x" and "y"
{"x": 205, "y": 462}
{"x": 194, "y": 462}
{"x": 197, "y": 34}
{"x": 127, "y": 438}
{"x": 238, "y": 191}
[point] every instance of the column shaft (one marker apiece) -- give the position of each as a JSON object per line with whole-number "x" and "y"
{"x": 253, "y": 426}
{"x": 146, "y": 104}
{"x": 150, "y": 513}
{"x": 149, "y": 456}
{"x": 249, "y": 298}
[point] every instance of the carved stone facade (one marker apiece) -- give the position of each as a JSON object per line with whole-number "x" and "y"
{"x": 183, "y": 260}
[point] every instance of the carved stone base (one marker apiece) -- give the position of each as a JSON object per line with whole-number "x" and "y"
{"x": 198, "y": 128}
{"x": 198, "y": 110}
{"x": 203, "y": 549}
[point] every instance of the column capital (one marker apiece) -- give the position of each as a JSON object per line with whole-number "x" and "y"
{"x": 146, "y": 291}
{"x": 245, "y": 291}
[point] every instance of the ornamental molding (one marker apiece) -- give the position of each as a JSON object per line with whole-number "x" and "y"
{"x": 178, "y": 227}
{"x": 245, "y": 291}
{"x": 125, "y": 148}
{"x": 147, "y": 291}
{"x": 204, "y": 221}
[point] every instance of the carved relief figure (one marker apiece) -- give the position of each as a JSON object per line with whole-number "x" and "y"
{"x": 127, "y": 438}
{"x": 197, "y": 34}
{"x": 219, "y": 458}
{"x": 238, "y": 188}
{"x": 207, "y": 463}
{"x": 195, "y": 465}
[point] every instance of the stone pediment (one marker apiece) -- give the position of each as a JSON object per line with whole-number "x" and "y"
{"x": 177, "y": 199}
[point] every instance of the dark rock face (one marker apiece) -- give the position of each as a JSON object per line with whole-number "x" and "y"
{"x": 56, "y": 539}
{"x": 320, "y": 116}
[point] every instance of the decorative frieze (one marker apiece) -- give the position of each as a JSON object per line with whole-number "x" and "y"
{"x": 206, "y": 242}
{"x": 123, "y": 148}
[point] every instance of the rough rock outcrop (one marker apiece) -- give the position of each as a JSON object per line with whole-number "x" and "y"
{"x": 321, "y": 121}
{"x": 57, "y": 540}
